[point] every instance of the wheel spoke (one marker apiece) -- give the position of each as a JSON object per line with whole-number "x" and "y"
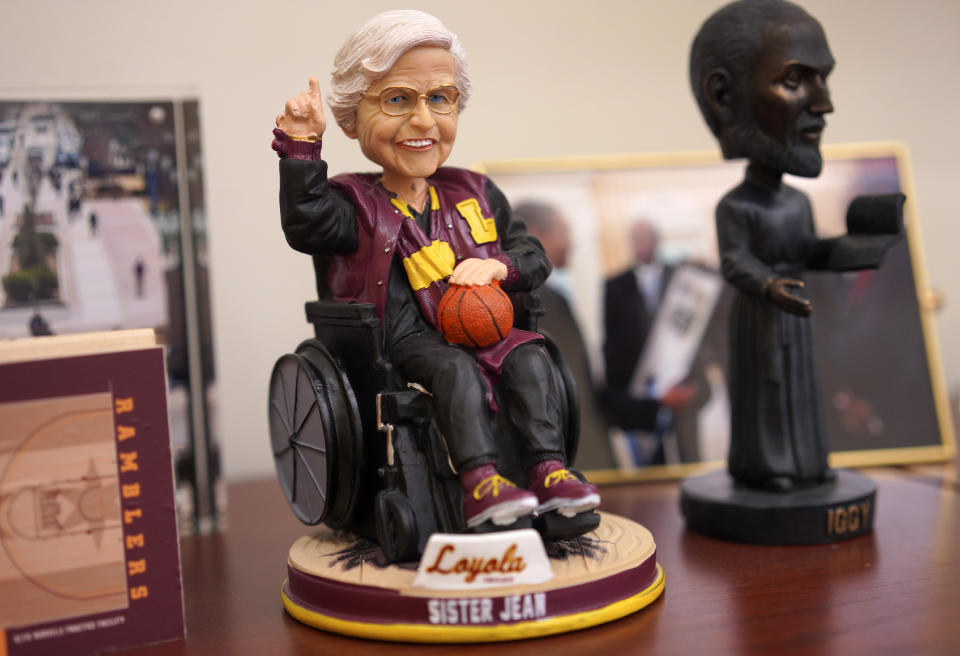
{"x": 306, "y": 399}
{"x": 280, "y": 413}
{"x": 316, "y": 451}
{"x": 296, "y": 394}
{"x": 316, "y": 483}
{"x": 303, "y": 421}
{"x": 304, "y": 445}
{"x": 293, "y": 480}
{"x": 287, "y": 383}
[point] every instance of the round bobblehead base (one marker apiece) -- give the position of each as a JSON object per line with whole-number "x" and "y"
{"x": 844, "y": 508}
{"x": 602, "y": 576}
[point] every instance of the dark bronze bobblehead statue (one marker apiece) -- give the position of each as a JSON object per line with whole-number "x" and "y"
{"x": 759, "y": 72}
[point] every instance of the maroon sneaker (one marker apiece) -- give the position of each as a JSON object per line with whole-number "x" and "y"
{"x": 558, "y": 489}
{"x": 489, "y": 496}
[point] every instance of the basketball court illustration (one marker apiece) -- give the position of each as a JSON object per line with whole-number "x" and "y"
{"x": 60, "y": 523}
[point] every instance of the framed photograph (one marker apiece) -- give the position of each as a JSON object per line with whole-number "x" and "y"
{"x": 103, "y": 227}
{"x": 881, "y": 382}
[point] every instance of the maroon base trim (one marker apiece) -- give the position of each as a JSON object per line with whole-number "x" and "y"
{"x": 370, "y": 604}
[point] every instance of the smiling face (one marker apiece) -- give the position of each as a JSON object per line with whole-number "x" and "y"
{"x": 785, "y": 99}
{"x": 409, "y": 147}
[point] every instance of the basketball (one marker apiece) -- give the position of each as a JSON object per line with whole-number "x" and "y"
{"x": 475, "y": 316}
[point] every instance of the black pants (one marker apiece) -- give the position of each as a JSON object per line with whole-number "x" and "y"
{"x": 527, "y": 392}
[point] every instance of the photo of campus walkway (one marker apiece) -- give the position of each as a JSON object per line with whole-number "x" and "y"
{"x": 110, "y": 259}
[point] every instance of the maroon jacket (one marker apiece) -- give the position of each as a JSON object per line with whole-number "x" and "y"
{"x": 362, "y": 275}
{"x": 351, "y": 217}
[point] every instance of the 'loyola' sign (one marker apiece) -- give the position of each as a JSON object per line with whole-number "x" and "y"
{"x": 466, "y": 562}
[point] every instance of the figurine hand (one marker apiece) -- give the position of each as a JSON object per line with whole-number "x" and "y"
{"x": 302, "y": 115}
{"x": 780, "y": 295}
{"x": 678, "y": 396}
{"x": 474, "y": 271}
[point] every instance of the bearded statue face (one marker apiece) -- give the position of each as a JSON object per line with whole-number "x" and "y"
{"x": 777, "y": 108}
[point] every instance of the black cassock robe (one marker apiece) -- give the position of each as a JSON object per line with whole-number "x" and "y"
{"x": 765, "y": 231}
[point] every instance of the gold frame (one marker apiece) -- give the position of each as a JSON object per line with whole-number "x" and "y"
{"x": 859, "y": 458}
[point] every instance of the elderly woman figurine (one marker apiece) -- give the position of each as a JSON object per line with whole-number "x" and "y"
{"x": 398, "y": 238}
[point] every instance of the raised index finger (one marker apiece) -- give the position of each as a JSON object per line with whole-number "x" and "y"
{"x": 314, "y": 88}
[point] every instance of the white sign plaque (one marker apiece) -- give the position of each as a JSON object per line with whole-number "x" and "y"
{"x": 472, "y": 562}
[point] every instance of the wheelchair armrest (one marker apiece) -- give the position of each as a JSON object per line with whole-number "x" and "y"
{"x": 351, "y": 332}
{"x": 334, "y": 313}
{"x": 527, "y": 310}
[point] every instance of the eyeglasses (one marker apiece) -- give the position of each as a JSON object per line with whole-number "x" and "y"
{"x": 397, "y": 101}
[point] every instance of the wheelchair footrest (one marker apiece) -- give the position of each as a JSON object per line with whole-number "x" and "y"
{"x": 554, "y": 526}
{"x": 490, "y": 527}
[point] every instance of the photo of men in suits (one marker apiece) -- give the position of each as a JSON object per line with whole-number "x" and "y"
{"x": 631, "y": 301}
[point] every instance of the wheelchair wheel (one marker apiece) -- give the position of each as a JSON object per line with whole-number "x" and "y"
{"x": 347, "y": 431}
{"x": 396, "y": 526}
{"x": 313, "y": 428}
{"x": 303, "y": 448}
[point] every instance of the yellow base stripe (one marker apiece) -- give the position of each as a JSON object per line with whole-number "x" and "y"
{"x": 502, "y": 632}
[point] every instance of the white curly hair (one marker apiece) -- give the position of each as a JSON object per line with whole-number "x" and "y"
{"x": 372, "y": 50}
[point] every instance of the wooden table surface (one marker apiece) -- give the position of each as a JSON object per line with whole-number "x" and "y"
{"x": 896, "y": 591}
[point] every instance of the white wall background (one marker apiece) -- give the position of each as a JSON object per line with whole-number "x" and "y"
{"x": 553, "y": 78}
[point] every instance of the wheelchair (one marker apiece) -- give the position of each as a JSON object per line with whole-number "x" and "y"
{"x": 356, "y": 447}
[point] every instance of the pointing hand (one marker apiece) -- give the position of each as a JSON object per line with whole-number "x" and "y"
{"x": 302, "y": 115}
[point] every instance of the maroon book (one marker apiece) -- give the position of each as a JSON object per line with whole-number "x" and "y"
{"x": 90, "y": 560}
